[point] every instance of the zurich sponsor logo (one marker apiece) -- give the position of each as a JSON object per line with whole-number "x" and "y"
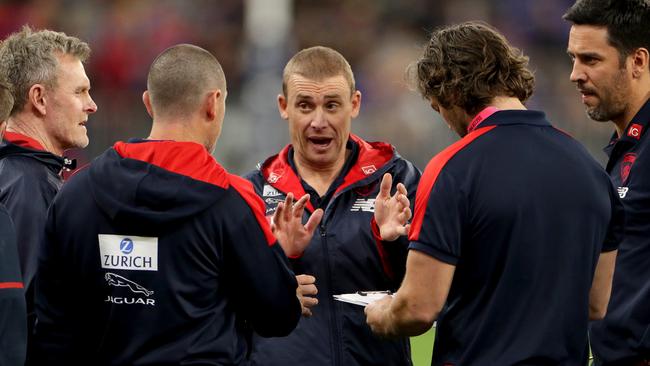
{"x": 133, "y": 253}
{"x": 363, "y": 205}
{"x": 126, "y": 246}
{"x": 622, "y": 191}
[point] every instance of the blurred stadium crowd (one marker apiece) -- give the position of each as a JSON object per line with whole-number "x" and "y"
{"x": 253, "y": 39}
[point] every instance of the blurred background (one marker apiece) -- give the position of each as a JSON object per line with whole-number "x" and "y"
{"x": 253, "y": 39}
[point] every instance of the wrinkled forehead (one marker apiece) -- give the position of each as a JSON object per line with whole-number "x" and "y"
{"x": 333, "y": 86}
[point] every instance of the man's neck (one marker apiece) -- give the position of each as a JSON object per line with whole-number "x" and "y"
{"x": 506, "y": 103}
{"x": 175, "y": 131}
{"x": 33, "y": 128}
{"x": 320, "y": 177}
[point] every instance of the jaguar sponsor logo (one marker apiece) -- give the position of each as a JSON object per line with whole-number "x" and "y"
{"x": 133, "y": 253}
{"x": 116, "y": 280}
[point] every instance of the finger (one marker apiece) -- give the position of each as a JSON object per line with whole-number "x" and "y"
{"x": 305, "y": 279}
{"x": 310, "y": 290}
{"x": 313, "y": 221}
{"x": 384, "y": 188}
{"x": 401, "y": 188}
{"x": 306, "y": 312}
{"x": 402, "y": 230}
{"x": 288, "y": 202}
{"x": 277, "y": 215}
{"x": 299, "y": 206}
{"x": 404, "y": 200}
{"x": 309, "y": 302}
{"x": 407, "y": 213}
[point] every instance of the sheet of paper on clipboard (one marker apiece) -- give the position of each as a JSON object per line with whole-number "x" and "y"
{"x": 362, "y": 298}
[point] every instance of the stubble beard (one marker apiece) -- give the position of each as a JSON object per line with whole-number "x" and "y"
{"x": 613, "y": 102}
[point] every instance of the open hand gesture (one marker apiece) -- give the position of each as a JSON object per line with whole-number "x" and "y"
{"x": 392, "y": 212}
{"x": 288, "y": 228}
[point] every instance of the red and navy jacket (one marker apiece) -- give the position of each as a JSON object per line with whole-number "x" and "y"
{"x": 344, "y": 255}
{"x": 29, "y": 180}
{"x": 523, "y": 212}
{"x": 623, "y": 337}
{"x": 13, "y": 315}
{"x": 156, "y": 255}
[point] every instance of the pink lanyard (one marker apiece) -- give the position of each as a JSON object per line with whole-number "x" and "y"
{"x": 480, "y": 117}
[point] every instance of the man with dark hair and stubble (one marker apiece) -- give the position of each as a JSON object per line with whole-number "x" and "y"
{"x": 13, "y": 321}
{"x": 155, "y": 254}
{"x": 51, "y": 107}
{"x": 351, "y": 251}
{"x": 609, "y": 44}
{"x": 515, "y": 229}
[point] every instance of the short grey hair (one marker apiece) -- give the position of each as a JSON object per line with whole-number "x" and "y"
{"x": 6, "y": 100}
{"x": 28, "y": 57}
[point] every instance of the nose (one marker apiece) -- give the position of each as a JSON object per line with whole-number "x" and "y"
{"x": 577, "y": 73}
{"x": 319, "y": 120}
{"x": 91, "y": 107}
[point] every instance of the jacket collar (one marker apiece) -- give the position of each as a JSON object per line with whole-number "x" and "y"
{"x": 277, "y": 171}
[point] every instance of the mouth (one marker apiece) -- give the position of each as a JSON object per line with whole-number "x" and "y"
{"x": 83, "y": 123}
{"x": 587, "y": 94}
{"x": 320, "y": 142}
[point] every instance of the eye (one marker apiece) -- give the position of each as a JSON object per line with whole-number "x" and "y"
{"x": 303, "y": 106}
{"x": 331, "y": 106}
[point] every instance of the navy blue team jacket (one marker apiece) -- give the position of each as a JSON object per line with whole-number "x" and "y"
{"x": 345, "y": 256}
{"x": 13, "y": 319}
{"x": 29, "y": 180}
{"x": 624, "y": 335}
{"x": 523, "y": 212}
{"x": 155, "y": 255}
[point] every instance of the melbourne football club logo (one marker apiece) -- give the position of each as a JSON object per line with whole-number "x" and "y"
{"x": 368, "y": 169}
{"x": 273, "y": 177}
{"x": 635, "y": 131}
{"x": 626, "y": 167}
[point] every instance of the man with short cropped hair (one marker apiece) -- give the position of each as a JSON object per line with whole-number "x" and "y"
{"x": 516, "y": 226}
{"x": 343, "y": 174}
{"x": 609, "y": 44}
{"x": 51, "y": 107}
{"x": 155, "y": 254}
{"x": 13, "y": 322}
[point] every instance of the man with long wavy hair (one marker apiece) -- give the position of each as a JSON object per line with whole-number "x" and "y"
{"x": 510, "y": 223}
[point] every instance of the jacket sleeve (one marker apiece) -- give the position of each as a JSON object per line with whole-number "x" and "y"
{"x": 27, "y": 198}
{"x": 53, "y": 338}
{"x": 395, "y": 252}
{"x": 13, "y": 315}
{"x": 264, "y": 286}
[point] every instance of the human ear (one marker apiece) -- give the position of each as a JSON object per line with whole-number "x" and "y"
{"x": 147, "y": 103}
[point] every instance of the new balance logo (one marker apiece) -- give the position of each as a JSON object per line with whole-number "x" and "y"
{"x": 622, "y": 191}
{"x": 269, "y": 191}
{"x": 363, "y": 205}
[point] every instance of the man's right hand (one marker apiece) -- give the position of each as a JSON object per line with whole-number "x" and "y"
{"x": 392, "y": 212}
{"x": 287, "y": 225}
{"x": 306, "y": 293}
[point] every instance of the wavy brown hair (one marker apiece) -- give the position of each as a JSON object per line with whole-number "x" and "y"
{"x": 469, "y": 64}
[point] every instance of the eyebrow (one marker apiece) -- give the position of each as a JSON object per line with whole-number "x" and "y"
{"x": 583, "y": 54}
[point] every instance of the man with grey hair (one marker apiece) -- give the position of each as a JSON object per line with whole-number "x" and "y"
{"x": 51, "y": 107}
{"x": 174, "y": 255}
{"x": 13, "y": 324}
